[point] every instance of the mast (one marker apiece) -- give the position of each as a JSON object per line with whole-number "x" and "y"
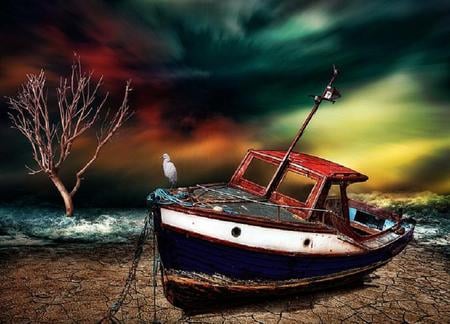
{"x": 329, "y": 94}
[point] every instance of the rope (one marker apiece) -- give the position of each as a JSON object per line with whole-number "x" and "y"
{"x": 163, "y": 197}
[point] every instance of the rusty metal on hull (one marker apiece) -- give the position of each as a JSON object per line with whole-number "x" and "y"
{"x": 193, "y": 291}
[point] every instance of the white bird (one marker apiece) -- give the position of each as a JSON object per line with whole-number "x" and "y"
{"x": 169, "y": 169}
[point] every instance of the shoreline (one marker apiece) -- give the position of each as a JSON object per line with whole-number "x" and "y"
{"x": 77, "y": 282}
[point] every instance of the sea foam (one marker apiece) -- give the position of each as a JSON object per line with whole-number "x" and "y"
{"x": 21, "y": 225}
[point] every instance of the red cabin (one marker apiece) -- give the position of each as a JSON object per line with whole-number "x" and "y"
{"x": 308, "y": 181}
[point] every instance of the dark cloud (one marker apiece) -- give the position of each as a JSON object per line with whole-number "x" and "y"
{"x": 242, "y": 61}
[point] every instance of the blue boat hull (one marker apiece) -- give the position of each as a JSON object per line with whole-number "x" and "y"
{"x": 183, "y": 256}
{"x": 181, "y": 252}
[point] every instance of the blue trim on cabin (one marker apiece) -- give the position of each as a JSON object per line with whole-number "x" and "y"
{"x": 384, "y": 224}
{"x": 182, "y": 252}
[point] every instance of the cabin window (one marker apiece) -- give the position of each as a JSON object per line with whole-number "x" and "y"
{"x": 333, "y": 201}
{"x": 260, "y": 172}
{"x": 296, "y": 186}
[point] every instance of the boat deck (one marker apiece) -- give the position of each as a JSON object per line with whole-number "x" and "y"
{"x": 240, "y": 202}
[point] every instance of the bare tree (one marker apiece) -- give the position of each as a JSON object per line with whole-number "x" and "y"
{"x": 80, "y": 107}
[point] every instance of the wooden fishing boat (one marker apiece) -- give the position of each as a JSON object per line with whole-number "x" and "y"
{"x": 281, "y": 225}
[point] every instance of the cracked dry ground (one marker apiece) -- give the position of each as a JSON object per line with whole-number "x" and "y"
{"x": 77, "y": 283}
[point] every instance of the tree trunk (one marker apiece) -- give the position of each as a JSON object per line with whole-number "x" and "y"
{"x": 68, "y": 202}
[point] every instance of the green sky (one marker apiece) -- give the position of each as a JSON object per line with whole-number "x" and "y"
{"x": 222, "y": 76}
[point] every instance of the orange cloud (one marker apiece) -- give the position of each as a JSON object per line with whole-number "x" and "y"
{"x": 215, "y": 145}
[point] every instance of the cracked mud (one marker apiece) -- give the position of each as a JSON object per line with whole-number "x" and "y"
{"x": 78, "y": 283}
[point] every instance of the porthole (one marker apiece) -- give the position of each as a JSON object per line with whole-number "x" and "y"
{"x": 236, "y": 231}
{"x": 306, "y": 242}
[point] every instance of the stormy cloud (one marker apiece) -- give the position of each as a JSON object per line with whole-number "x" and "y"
{"x": 221, "y": 76}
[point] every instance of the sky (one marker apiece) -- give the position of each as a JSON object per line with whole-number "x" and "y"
{"x": 212, "y": 79}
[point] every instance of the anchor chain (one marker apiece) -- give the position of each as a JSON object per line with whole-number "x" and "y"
{"x": 131, "y": 278}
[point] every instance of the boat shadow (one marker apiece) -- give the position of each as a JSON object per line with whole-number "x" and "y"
{"x": 278, "y": 304}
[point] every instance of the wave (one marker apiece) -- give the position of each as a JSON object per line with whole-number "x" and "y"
{"x": 430, "y": 210}
{"x": 21, "y": 225}
{"x": 39, "y": 226}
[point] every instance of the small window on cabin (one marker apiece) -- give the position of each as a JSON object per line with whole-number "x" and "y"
{"x": 260, "y": 172}
{"x": 334, "y": 192}
{"x": 333, "y": 201}
{"x": 296, "y": 186}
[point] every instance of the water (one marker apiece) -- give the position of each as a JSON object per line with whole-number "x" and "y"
{"x": 430, "y": 210}
{"x": 47, "y": 225}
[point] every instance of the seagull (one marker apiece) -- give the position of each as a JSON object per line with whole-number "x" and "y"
{"x": 169, "y": 169}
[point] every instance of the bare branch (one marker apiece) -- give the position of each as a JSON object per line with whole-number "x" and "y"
{"x": 32, "y": 171}
{"x": 79, "y": 108}
{"x": 29, "y": 115}
{"x": 112, "y": 126}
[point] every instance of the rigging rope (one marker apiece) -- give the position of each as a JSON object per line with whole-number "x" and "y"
{"x": 163, "y": 197}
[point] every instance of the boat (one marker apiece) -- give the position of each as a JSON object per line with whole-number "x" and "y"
{"x": 282, "y": 225}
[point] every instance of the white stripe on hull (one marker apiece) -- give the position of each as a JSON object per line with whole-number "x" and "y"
{"x": 257, "y": 236}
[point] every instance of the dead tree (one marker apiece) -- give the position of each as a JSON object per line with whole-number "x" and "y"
{"x": 80, "y": 107}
